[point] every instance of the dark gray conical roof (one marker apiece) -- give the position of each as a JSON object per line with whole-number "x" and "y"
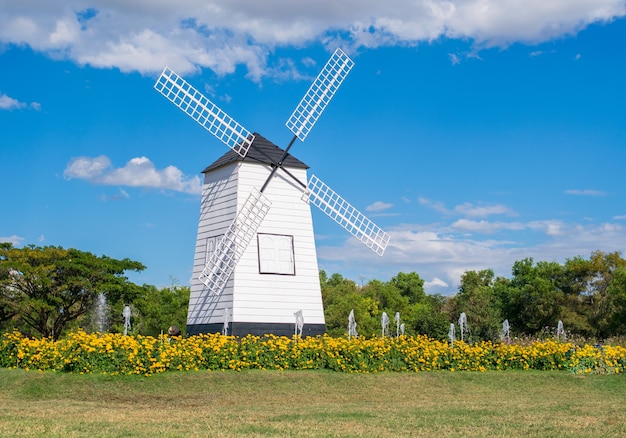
{"x": 261, "y": 151}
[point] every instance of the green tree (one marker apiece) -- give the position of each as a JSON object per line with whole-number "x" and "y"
{"x": 421, "y": 313}
{"x": 617, "y": 293}
{"x": 591, "y": 282}
{"x": 387, "y": 295}
{"x": 410, "y": 285}
{"x": 48, "y": 288}
{"x": 390, "y": 300}
{"x": 340, "y": 296}
{"x": 429, "y": 317}
{"x": 536, "y": 299}
{"x": 404, "y": 293}
{"x": 480, "y": 303}
{"x": 155, "y": 310}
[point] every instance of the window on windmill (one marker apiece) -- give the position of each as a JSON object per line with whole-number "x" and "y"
{"x": 211, "y": 244}
{"x": 276, "y": 254}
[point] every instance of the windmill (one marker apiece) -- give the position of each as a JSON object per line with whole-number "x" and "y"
{"x": 260, "y": 190}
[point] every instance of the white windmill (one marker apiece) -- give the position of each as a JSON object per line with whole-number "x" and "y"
{"x": 255, "y": 251}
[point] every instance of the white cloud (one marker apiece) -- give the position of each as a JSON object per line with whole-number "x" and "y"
{"x": 548, "y": 227}
{"x": 136, "y": 35}
{"x": 467, "y": 209}
{"x": 448, "y": 248}
{"x": 485, "y": 227}
{"x": 586, "y": 192}
{"x": 434, "y": 284}
{"x": 442, "y": 252}
{"x": 138, "y": 172}
{"x": 378, "y": 206}
{"x": 471, "y": 210}
{"x": 14, "y": 239}
{"x": 437, "y": 206}
{"x": 86, "y": 167}
{"x": 309, "y": 62}
{"x": 120, "y": 196}
{"x": 9, "y": 103}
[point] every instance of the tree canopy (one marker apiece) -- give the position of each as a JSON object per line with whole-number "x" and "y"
{"x": 404, "y": 293}
{"x": 47, "y": 290}
{"x": 44, "y": 289}
{"x": 157, "y": 309}
{"x": 587, "y": 295}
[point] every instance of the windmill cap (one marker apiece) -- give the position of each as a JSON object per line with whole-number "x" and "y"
{"x": 261, "y": 151}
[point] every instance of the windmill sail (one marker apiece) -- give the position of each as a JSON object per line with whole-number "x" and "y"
{"x": 342, "y": 212}
{"x": 319, "y": 94}
{"x": 235, "y": 241}
{"x": 203, "y": 111}
{"x": 219, "y": 275}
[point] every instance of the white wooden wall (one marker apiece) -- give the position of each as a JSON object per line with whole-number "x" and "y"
{"x": 253, "y": 297}
{"x": 217, "y": 210}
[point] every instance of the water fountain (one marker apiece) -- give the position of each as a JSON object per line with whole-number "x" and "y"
{"x": 384, "y": 322}
{"x": 451, "y": 334}
{"x": 226, "y": 321}
{"x": 560, "y": 332}
{"x": 352, "y": 325}
{"x": 126, "y": 314}
{"x": 299, "y": 323}
{"x": 505, "y": 333}
{"x": 397, "y": 321}
{"x": 100, "y": 317}
{"x": 462, "y": 324}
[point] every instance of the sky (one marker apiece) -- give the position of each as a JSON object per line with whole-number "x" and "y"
{"x": 475, "y": 132}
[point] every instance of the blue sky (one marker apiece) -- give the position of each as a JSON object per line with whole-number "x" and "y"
{"x": 476, "y": 133}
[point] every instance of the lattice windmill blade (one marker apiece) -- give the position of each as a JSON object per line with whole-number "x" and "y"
{"x": 234, "y": 243}
{"x": 222, "y": 278}
{"x": 203, "y": 111}
{"x": 319, "y": 94}
{"x": 342, "y": 212}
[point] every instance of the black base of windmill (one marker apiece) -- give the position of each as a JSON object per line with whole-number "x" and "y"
{"x": 242, "y": 329}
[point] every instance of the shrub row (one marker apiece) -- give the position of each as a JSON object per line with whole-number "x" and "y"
{"x": 109, "y": 353}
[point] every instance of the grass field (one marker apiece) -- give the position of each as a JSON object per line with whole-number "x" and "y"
{"x": 312, "y": 404}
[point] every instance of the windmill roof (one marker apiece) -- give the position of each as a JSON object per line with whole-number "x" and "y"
{"x": 261, "y": 151}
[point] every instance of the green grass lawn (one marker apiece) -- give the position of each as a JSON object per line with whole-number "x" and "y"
{"x": 313, "y": 404}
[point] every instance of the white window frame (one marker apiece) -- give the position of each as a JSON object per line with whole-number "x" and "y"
{"x": 210, "y": 245}
{"x": 276, "y": 254}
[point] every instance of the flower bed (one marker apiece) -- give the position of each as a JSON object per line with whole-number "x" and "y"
{"x": 109, "y": 353}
